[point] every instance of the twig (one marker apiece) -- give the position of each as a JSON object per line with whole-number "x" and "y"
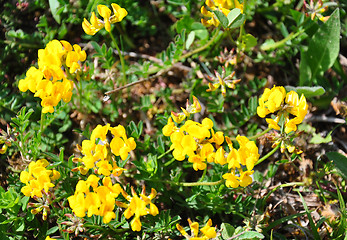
{"x": 140, "y": 55}
{"x": 325, "y": 119}
{"x": 137, "y": 82}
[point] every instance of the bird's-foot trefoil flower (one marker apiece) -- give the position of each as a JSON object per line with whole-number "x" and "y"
{"x": 206, "y": 232}
{"x": 288, "y": 108}
{"x": 138, "y": 206}
{"x": 95, "y": 24}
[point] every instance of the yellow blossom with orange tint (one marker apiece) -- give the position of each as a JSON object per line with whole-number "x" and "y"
{"x": 285, "y": 105}
{"x": 95, "y": 24}
{"x": 207, "y": 232}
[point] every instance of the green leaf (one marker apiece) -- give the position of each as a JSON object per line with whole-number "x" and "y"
{"x": 200, "y": 31}
{"x": 97, "y": 47}
{"x": 184, "y": 23}
{"x": 161, "y": 146}
{"x": 305, "y": 77}
{"x": 307, "y": 91}
{"x": 318, "y": 139}
{"x": 233, "y": 14}
{"x": 54, "y": 5}
{"x": 251, "y": 235}
{"x": 227, "y": 230}
{"x": 324, "y": 46}
{"x": 221, "y": 18}
{"x": 52, "y": 230}
{"x": 340, "y": 162}
{"x": 267, "y": 45}
{"x": 249, "y": 41}
{"x": 190, "y": 39}
{"x": 238, "y": 21}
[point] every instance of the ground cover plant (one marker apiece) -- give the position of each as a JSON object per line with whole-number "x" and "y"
{"x": 178, "y": 119}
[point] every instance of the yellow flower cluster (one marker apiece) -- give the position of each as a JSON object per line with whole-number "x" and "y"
{"x": 207, "y": 232}
{"x": 137, "y": 207}
{"x": 286, "y": 105}
{"x": 96, "y": 24}
{"x": 38, "y": 178}
{"x": 99, "y": 153}
{"x": 221, "y": 5}
{"x": 100, "y": 201}
{"x": 201, "y": 144}
{"x": 49, "y": 81}
{"x": 247, "y": 155}
{"x": 195, "y": 140}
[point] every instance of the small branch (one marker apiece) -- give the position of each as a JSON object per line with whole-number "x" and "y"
{"x": 137, "y": 82}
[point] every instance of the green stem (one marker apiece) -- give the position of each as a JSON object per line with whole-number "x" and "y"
{"x": 169, "y": 162}
{"x": 120, "y": 57}
{"x": 192, "y": 184}
{"x": 278, "y": 44}
{"x": 255, "y": 136}
{"x": 41, "y": 123}
{"x": 282, "y": 186}
{"x": 243, "y": 24}
{"x": 162, "y": 155}
{"x": 260, "y": 134}
{"x": 202, "y": 47}
{"x": 268, "y": 154}
{"x": 203, "y": 175}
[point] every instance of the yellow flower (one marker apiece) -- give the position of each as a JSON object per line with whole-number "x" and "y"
{"x": 169, "y": 128}
{"x": 49, "y": 81}
{"x": 98, "y": 151}
{"x": 207, "y": 232}
{"x": 100, "y": 201}
{"x": 38, "y": 179}
{"x": 286, "y": 105}
{"x": 221, "y": 5}
{"x": 137, "y": 207}
{"x": 231, "y": 180}
{"x": 95, "y": 24}
{"x": 271, "y": 101}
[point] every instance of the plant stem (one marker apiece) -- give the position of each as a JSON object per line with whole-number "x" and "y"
{"x": 278, "y": 44}
{"x": 162, "y": 155}
{"x": 202, "y": 47}
{"x": 203, "y": 175}
{"x": 169, "y": 162}
{"x": 192, "y": 184}
{"x": 268, "y": 154}
{"x": 41, "y": 123}
{"x": 120, "y": 57}
{"x": 260, "y": 134}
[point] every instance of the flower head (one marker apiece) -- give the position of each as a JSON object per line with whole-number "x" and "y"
{"x": 207, "y": 232}
{"x": 138, "y": 206}
{"x": 49, "y": 81}
{"x": 286, "y": 105}
{"x": 96, "y": 24}
{"x": 38, "y": 179}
